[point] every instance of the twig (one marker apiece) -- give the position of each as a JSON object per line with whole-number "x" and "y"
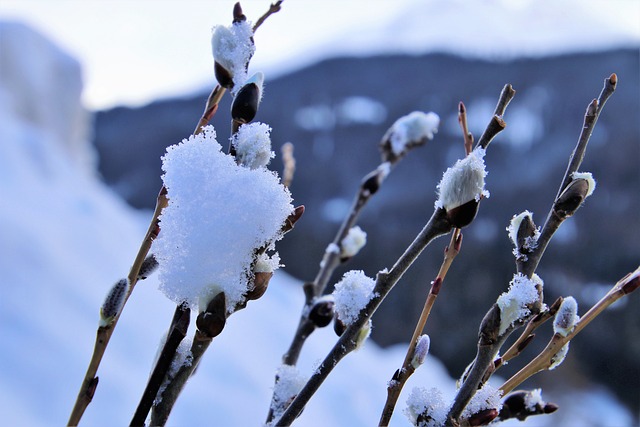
{"x": 385, "y": 281}
{"x": 526, "y": 336}
{"x": 103, "y": 335}
{"x": 497, "y": 125}
{"x": 468, "y": 137}
{"x": 553, "y": 221}
{"x": 273, "y": 8}
{"x": 564, "y": 206}
{"x": 401, "y": 376}
{"x": 289, "y": 162}
{"x": 543, "y": 361}
{"x": 177, "y": 332}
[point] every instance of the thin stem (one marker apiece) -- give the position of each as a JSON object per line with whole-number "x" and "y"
{"x": 385, "y": 281}
{"x": 401, "y": 376}
{"x": 497, "y": 125}
{"x": 103, "y": 335}
{"x": 554, "y": 221}
{"x": 273, "y": 8}
{"x": 468, "y": 137}
{"x": 543, "y": 361}
{"x": 177, "y": 332}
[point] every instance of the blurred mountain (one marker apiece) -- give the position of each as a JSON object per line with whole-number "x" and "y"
{"x": 335, "y": 113}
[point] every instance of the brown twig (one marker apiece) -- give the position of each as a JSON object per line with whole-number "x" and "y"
{"x": 103, "y": 335}
{"x": 543, "y": 361}
{"x": 468, "y": 137}
{"x": 273, "y": 8}
{"x": 401, "y": 376}
{"x": 289, "y": 162}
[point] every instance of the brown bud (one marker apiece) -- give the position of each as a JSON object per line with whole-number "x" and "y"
{"x": 483, "y": 417}
{"x": 321, "y": 312}
{"x": 224, "y": 76}
{"x": 571, "y": 198}
{"x": 212, "y": 321}
{"x": 245, "y": 104}
{"x": 463, "y": 215}
{"x": 260, "y": 284}
{"x": 338, "y": 326}
{"x": 291, "y": 220}
{"x": 238, "y": 14}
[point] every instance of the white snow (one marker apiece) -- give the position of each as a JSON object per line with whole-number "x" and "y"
{"x": 530, "y": 242}
{"x": 232, "y": 48}
{"x": 66, "y": 238}
{"x": 353, "y": 242}
{"x": 219, "y": 213}
{"x": 533, "y": 399}
{"x": 428, "y": 402}
{"x": 566, "y": 317}
{"x": 289, "y": 383}
{"x": 558, "y": 358}
{"x": 588, "y": 177}
{"x": 253, "y": 145}
{"x": 514, "y": 303}
{"x": 352, "y": 293}
{"x": 463, "y": 182}
{"x": 487, "y": 397}
{"x": 412, "y": 129}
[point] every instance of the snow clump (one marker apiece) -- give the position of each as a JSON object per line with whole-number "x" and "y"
{"x": 352, "y": 294}
{"x": 353, "y": 242}
{"x": 411, "y": 130}
{"x": 218, "y": 214}
{"x": 487, "y": 397}
{"x": 428, "y": 405}
{"x": 253, "y": 145}
{"x": 530, "y": 242}
{"x": 290, "y": 382}
{"x": 463, "y": 182}
{"x": 232, "y": 48}
{"x": 514, "y": 304}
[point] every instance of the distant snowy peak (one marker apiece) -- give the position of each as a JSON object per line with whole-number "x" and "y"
{"x": 489, "y": 29}
{"x": 499, "y": 29}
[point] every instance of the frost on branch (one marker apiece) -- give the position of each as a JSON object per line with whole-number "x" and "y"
{"x": 426, "y": 408}
{"x": 463, "y": 182}
{"x": 515, "y": 304}
{"x": 253, "y": 145}
{"x": 558, "y": 358}
{"x": 218, "y": 214}
{"x": 288, "y": 384}
{"x": 232, "y": 49}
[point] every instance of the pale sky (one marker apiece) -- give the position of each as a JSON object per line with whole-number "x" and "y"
{"x": 135, "y": 51}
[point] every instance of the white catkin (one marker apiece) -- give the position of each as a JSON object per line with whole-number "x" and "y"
{"x": 113, "y": 302}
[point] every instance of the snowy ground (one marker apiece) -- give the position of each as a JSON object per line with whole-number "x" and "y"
{"x": 65, "y": 238}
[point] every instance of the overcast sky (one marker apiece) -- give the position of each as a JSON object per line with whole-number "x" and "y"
{"x": 134, "y": 51}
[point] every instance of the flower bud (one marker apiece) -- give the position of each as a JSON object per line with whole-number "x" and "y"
{"x": 338, "y": 326}
{"x": 363, "y": 334}
{"x": 581, "y": 187}
{"x": 371, "y": 183}
{"x": 421, "y": 351}
{"x": 566, "y": 317}
{"x": 352, "y": 243}
{"x": 321, "y": 312}
{"x": 232, "y": 49}
{"x": 113, "y": 302}
{"x": 521, "y": 404}
{"x": 212, "y": 320}
{"x": 245, "y": 104}
{"x": 462, "y": 188}
{"x": 148, "y": 266}
{"x": 523, "y": 234}
{"x": 409, "y": 131}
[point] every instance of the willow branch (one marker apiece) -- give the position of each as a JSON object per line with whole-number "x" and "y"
{"x": 553, "y": 220}
{"x": 401, "y": 376}
{"x": 385, "y": 281}
{"x": 103, "y": 335}
{"x": 543, "y": 361}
